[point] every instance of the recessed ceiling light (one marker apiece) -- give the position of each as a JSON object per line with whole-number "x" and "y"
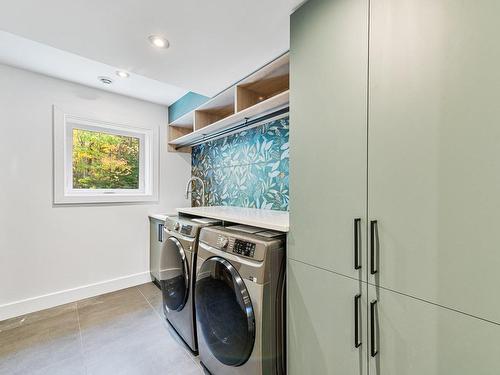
{"x": 158, "y": 41}
{"x": 122, "y": 74}
{"x": 105, "y": 80}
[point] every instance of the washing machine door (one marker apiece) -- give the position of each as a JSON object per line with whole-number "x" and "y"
{"x": 224, "y": 312}
{"x": 174, "y": 275}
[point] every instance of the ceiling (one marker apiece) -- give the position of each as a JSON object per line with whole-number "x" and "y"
{"x": 212, "y": 43}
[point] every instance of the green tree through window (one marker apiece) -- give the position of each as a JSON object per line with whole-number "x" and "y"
{"x": 105, "y": 161}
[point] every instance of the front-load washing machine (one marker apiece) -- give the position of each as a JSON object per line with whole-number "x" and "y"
{"x": 177, "y": 271}
{"x": 240, "y": 301}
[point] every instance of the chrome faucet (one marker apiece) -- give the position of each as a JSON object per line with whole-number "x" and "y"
{"x": 188, "y": 190}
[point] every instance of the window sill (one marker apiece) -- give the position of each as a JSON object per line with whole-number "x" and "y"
{"x": 104, "y": 198}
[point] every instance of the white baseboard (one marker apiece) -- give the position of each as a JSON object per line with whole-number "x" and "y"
{"x": 29, "y": 305}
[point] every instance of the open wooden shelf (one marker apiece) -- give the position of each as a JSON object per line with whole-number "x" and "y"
{"x": 260, "y": 93}
{"x": 206, "y": 117}
{"x": 250, "y": 94}
{"x": 267, "y": 106}
{"x": 217, "y": 108}
{"x": 176, "y": 132}
{"x": 270, "y": 80}
{"x": 185, "y": 121}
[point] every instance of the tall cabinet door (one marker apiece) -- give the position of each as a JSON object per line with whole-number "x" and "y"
{"x": 434, "y": 151}
{"x": 416, "y": 338}
{"x": 328, "y": 63}
{"x": 323, "y": 311}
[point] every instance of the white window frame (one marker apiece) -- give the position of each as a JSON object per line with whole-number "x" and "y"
{"x": 64, "y": 193}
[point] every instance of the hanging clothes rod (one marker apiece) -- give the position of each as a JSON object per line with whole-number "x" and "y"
{"x": 248, "y": 123}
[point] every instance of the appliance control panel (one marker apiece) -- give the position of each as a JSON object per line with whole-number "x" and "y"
{"x": 236, "y": 246}
{"x": 186, "y": 229}
{"x": 245, "y": 248}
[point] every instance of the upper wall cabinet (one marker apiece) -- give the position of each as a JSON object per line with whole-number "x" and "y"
{"x": 262, "y": 93}
{"x": 329, "y": 55}
{"x": 434, "y": 136}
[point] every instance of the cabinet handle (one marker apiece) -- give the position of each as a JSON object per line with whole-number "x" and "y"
{"x": 357, "y": 231}
{"x": 373, "y": 349}
{"x": 374, "y": 241}
{"x": 357, "y": 341}
{"x": 160, "y": 232}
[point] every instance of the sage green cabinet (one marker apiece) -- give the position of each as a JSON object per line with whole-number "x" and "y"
{"x": 328, "y": 69}
{"x": 403, "y": 133}
{"x": 434, "y": 161}
{"x": 321, "y": 315}
{"x": 415, "y": 338}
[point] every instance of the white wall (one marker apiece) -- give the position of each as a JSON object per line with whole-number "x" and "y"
{"x": 51, "y": 254}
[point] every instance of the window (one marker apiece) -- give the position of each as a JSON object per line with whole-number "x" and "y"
{"x": 99, "y": 162}
{"x": 102, "y": 160}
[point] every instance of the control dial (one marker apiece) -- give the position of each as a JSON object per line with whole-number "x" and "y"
{"x": 177, "y": 226}
{"x": 224, "y": 242}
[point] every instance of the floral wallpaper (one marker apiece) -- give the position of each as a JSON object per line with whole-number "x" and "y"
{"x": 246, "y": 169}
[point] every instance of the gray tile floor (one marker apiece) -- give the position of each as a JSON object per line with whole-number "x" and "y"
{"x": 117, "y": 333}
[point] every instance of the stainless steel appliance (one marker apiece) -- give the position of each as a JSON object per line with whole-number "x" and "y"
{"x": 177, "y": 274}
{"x": 155, "y": 245}
{"x": 240, "y": 301}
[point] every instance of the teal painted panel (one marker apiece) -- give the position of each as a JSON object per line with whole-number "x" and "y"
{"x": 246, "y": 169}
{"x": 185, "y": 104}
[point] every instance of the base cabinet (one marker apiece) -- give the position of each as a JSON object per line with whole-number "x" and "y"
{"x": 322, "y": 322}
{"x": 397, "y": 334}
{"x": 413, "y": 337}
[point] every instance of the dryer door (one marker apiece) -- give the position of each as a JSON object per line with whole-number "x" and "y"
{"x": 225, "y": 312}
{"x": 174, "y": 275}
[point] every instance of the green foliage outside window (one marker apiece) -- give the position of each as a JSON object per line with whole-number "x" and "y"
{"x": 105, "y": 161}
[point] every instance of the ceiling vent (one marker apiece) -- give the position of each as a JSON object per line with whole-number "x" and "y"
{"x": 105, "y": 80}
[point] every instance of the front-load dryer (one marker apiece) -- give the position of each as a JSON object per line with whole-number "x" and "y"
{"x": 177, "y": 274}
{"x": 239, "y": 302}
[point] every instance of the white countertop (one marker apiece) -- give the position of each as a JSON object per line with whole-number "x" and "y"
{"x": 161, "y": 217}
{"x": 268, "y": 219}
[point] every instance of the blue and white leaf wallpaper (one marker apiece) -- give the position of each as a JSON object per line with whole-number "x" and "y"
{"x": 246, "y": 169}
